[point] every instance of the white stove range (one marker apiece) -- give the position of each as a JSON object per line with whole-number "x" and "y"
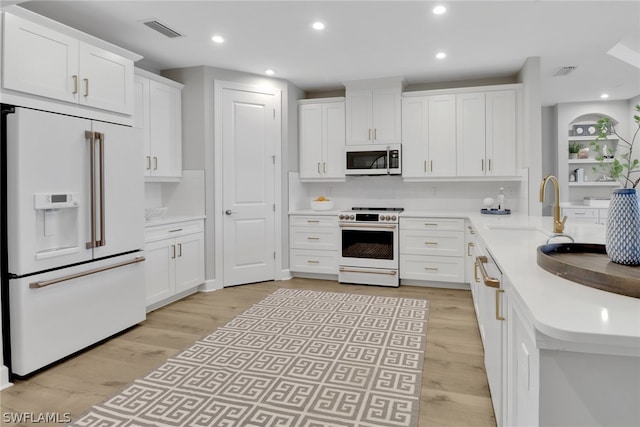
{"x": 369, "y": 246}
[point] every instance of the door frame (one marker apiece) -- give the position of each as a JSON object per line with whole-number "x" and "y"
{"x": 218, "y": 187}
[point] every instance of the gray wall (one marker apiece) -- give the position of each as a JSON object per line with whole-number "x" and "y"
{"x": 198, "y": 144}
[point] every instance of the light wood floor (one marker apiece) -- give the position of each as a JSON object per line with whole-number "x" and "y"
{"x": 454, "y": 387}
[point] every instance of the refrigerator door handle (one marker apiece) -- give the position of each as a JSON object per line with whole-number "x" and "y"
{"x": 92, "y": 184}
{"x": 102, "y": 241}
{"x": 44, "y": 283}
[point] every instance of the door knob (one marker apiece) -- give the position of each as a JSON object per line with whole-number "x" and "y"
{"x": 228, "y": 212}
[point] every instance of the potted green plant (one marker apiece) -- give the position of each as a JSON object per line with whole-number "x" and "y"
{"x": 574, "y": 148}
{"x": 625, "y": 166}
{"x": 623, "y": 222}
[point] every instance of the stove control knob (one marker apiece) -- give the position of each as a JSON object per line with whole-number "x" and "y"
{"x": 352, "y": 217}
{"x": 393, "y": 217}
{"x": 388, "y": 218}
{"x": 340, "y": 216}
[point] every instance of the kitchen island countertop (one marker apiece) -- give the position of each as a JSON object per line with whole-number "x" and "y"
{"x": 565, "y": 314}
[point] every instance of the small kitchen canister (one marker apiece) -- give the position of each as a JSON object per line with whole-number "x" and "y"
{"x": 623, "y": 227}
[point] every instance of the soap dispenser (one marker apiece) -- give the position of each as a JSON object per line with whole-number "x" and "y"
{"x": 501, "y": 199}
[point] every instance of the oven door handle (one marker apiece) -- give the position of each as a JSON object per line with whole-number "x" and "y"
{"x": 361, "y": 225}
{"x": 353, "y": 270}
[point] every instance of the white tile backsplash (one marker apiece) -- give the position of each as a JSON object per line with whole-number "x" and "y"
{"x": 393, "y": 191}
{"x": 183, "y": 198}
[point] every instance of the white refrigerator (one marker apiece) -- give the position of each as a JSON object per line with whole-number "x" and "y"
{"x": 74, "y": 205}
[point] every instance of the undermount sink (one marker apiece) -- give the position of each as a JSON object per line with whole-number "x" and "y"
{"x": 589, "y": 265}
{"x": 521, "y": 232}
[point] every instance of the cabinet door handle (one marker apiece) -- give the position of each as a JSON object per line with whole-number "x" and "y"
{"x": 492, "y": 282}
{"x": 469, "y": 246}
{"x": 324, "y": 167}
{"x": 86, "y": 87}
{"x": 148, "y": 162}
{"x": 179, "y": 249}
{"x": 475, "y": 272}
{"x": 482, "y": 163}
{"x": 173, "y": 251}
{"x": 369, "y": 134}
{"x": 75, "y": 84}
{"x": 155, "y": 163}
{"x": 431, "y": 165}
{"x": 498, "y": 316}
{"x": 318, "y": 167}
{"x": 425, "y": 165}
{"x": 375, "y": 134}
{"x": 489, "y": 165}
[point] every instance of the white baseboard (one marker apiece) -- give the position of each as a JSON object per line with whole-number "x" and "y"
{"x": 429, "y": 284}
{"x": 210, "y": 286}
{"x": 4, "y": 378}
{"x": 285, "y": 275}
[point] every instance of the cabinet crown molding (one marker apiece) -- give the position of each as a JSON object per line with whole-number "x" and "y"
{"x": 376, "y": 83}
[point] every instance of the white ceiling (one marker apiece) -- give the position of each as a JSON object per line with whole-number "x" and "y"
{"x": 371, "y": 39}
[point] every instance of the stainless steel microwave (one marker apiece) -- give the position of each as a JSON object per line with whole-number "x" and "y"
{"x": 373, "y": 159}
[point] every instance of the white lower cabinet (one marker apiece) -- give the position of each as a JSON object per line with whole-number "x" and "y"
{"x": 175, "y": 260}
{"x": 432, "y": 249}
{"x": 313, "y": 243}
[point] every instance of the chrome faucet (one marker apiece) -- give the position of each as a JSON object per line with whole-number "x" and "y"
{"x": 558, "y": 225}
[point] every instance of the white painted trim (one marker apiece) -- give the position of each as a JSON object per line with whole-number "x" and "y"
{"x": 321, "y": 100}
{"x": 450, "y": 91}
{"x": 211, "y": 286}
{"x": 285, "y": 274}
{"x": 149, "y": 75}
{"x": 218, "y": 217}
{"x": 4, "y": 378}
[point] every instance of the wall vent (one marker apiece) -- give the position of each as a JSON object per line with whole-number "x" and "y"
{"x": 563, "y": 71}
{"x": 161, "y": 28}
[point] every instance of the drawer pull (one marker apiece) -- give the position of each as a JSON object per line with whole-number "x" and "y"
{"x": 469, "y": 246}
{"x": 312, "y": 261}
{"x": 313, "y": 238}
{"x": 430, "y": 224}
{"x": 430, "y": 243}
{"x": 498, "y": 315}
{"x": 313, "y": 221}
{"x": 431, "y": 268}
{"x": 175, "y": 230}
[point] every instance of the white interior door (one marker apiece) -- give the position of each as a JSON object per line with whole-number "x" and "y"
{"x": 248, "y": 141}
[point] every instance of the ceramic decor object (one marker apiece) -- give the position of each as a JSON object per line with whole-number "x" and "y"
{"x": 623, "y": 227}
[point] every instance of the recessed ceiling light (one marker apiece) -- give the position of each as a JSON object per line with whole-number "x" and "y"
{"x": 218, "y": 39}
{"x": 604, "y": 96}
{"x": 318, "y": 26}
{"x": 270, "y": 71}
{"x": 441, "y": 55}
{"x": 439, "y": 10}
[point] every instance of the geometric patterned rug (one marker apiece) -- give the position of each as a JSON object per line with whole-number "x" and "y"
{"x": 297, "y": 358}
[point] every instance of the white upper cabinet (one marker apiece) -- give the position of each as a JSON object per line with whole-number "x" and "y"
{"x": 501, "y": 132}
{"x": 428, "y": 136}
{"x": 373, "y": 113}
{"x": 39, "y": 60}
{"x": 486, "y": 124}
{"x": 158, "y": 121}
{"x": 42, "y": 61}
{"x": 460, "y": 133}
{"x": 322, "y": 139}
{"x": 470, "y": 126}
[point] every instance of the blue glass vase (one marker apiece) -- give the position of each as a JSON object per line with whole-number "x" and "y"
{"x": 623, "y": 227}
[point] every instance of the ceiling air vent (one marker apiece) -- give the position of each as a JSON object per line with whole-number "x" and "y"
{"x": 161, "y": 28}
{"x": 563, "y": 71}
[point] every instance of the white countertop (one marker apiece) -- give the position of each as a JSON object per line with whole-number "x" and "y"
{"x": 563, "y": 310}
{"x": 172, "y": 219}
{"x": 566, "y": 315}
